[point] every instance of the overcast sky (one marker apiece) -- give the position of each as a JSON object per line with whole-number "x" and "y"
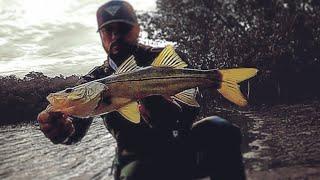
{"x": 52, "y": 36}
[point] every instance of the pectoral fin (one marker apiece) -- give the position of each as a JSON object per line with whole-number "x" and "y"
{"x": 169, "y": 58}
{"x": 130, "y": 112}
{"x": 188, "y": 97}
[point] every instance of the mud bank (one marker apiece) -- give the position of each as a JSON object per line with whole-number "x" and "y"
{"x": 279, "y": 142}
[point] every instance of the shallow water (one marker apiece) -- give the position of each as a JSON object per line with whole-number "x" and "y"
{"x": 26, "y": 154}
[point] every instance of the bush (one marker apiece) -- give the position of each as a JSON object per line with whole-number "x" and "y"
{"x": 22, "y": 99}
{"x": 279, "y": 37}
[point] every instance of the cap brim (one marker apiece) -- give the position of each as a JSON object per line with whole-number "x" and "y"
{"x": 115, "y": 20}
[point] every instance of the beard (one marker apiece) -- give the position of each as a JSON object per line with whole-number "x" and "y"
{"x": 119, "y": 50}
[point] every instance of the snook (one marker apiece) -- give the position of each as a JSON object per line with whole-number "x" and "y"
{"x": 167, "y": 76}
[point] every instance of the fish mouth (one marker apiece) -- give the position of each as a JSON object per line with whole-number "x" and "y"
{"x": 56, "y": 101}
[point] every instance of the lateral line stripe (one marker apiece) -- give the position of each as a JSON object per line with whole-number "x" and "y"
{"x": 146, "y": 79}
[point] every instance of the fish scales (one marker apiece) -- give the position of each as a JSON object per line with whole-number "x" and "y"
{"x": 160, "y": 80}
{"x": 166, "y": 76}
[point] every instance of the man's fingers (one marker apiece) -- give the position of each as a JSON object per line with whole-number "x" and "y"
{"x": 56, "y": 115}
{"x": 58, "y": 135}
{"x": 45, "y": 127}
{"x": 49, "y": 117}
{"x": 69, "y": 127}
{"x": 43, "y": 117}
{"x": 56, "y": 126}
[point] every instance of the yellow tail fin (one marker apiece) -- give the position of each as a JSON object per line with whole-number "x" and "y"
{"x": 229, "y": 86}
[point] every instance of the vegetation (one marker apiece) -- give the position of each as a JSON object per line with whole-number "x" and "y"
{"x": 279, "y": 37}
{"x": 22, "y": 99}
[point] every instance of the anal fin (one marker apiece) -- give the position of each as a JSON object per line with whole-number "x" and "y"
{"x": 187, "y": 97}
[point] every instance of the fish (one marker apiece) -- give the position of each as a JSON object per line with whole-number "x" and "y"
{"x": 168, "y": 76}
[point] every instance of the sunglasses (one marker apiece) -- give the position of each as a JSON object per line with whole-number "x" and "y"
{"x": 119, "y": 28}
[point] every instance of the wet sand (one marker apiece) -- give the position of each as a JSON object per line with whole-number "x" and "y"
{"x": 285, "y": 142}
{"x": 280, "y": 142}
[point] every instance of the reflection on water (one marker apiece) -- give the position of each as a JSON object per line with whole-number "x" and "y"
{"x": 54, "y": 37}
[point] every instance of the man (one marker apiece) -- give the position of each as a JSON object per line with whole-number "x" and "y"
{"x": 165, "y": 144}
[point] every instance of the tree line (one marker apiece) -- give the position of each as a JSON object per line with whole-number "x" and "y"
{"x": 279, "y": 37}
{"x": 21, "y": 99}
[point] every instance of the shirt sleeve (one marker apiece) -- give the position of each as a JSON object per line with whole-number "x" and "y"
{"x": 82, "y": 125}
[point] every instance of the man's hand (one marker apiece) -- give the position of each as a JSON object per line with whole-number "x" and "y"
{"x": 56, "y": 126}
{"x": 158, "y": 111}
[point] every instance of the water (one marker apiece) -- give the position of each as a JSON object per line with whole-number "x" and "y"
{"x": 53, "y": 37}
{"x": 288, "y": 145}
{"x": 27, "y": 154}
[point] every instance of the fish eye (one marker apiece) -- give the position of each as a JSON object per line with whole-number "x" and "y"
{"x": 68, "y": 90}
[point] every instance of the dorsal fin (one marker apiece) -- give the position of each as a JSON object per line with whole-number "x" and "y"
{"x": 187, "y": 97}
{"x": 169, "y": 58}
{"x": 128, "y": 65}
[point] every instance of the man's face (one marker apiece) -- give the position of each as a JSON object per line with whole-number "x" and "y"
{"x": 116, "y": 35}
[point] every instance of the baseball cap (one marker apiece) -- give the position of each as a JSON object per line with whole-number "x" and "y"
{"x": 116, "y": 11}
